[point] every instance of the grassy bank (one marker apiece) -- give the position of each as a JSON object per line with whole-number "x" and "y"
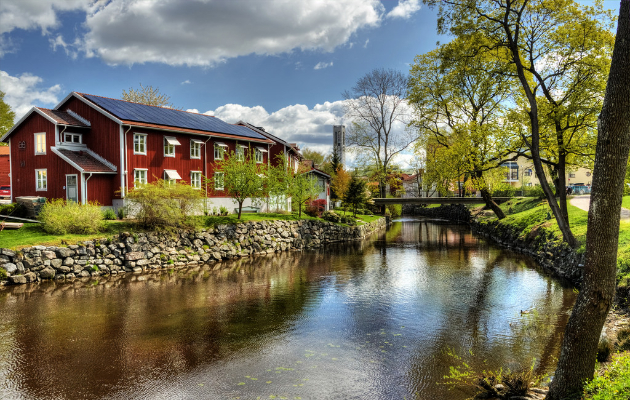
{"x": 32, "y": 234}
{"x": 530, "y": 215}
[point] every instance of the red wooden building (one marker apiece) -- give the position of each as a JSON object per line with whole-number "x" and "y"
{"x": 5, "y": 168}
{"x": 93, "y": 148}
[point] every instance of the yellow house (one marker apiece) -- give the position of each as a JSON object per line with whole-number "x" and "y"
{"x": 521, "y": 173}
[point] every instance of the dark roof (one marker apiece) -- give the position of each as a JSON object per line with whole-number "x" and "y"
{"x": 128, "y": 111}
{"x": 62, "y": 117}
{"x": 86, "y": 161}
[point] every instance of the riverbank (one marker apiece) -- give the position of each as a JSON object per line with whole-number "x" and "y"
{"x": 144, "y": 252}
{"x": 529, "y": 229}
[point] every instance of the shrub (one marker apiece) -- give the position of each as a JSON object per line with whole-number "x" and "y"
{"x": 315, "y": 208}
{"x": 331, "y": 216}
{"x": 60, "y": 217}
{"x": 348, "y": 219}
{"x": 395, "y": 210}
{"x": 223, "y": 210}
{"x": 3, "y": 274}
{"x": 613, "y": 384}
{"x": 109, "y": 214}
{"x": 161, "y": 204}
{"x": 14, "y": 210}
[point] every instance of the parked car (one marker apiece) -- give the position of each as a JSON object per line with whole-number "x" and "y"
{"x": 5, "y": 191}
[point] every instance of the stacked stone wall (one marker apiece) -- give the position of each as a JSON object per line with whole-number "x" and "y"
{"x": 143, "y": 252}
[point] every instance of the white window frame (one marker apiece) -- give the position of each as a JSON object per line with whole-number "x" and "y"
{"x": 219, "y": 152}
{"x": 195, "y": 179}
{"x": 571, "y": 174}
{"x": 169, "y": 149}
{"x": 37, "y": 151}
{"x": 195, "y": 149}
{"x": 240, "y": 152}
{"x": 39, "y": 180}
{"x": 216, "y": 176}
{"x": 259, "y": 155}
{"x": 141, "y": 140}
{"x": 136, "y": 175}
{"x": 72, "y": 136}
{"x": 169, "y": 180}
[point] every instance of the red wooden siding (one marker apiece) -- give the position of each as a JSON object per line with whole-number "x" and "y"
{"x": 25, "y": 162}
{"x": 5, "y": 168}
{"x": 101, "y": 188}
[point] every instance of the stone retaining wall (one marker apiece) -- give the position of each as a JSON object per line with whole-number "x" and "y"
{"x": 143, "y": 252}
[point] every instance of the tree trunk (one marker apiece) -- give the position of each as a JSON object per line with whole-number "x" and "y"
{"x": 579, "y": 347}
{"x": 487, "y": 197}
{"x": 561, "y": 170}
{"x": 240, "y": 207}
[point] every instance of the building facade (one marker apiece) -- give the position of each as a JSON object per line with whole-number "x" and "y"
{"x": 521, "y": 173}
{"x": 93, "y": 148}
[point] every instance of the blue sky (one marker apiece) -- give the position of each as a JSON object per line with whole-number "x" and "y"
{"x": 276, "y": 63}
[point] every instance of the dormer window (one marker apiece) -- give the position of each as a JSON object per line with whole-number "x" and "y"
{"x": 72, "y": 138}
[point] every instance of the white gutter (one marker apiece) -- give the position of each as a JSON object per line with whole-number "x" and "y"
{"x": 10, "y": 172}
{"x": 85, "y": 191}
{"x": 123, "y": 161}
{"x": 205, "y": 172}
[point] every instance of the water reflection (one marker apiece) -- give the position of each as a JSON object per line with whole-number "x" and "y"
{"x": 370, "y": 319}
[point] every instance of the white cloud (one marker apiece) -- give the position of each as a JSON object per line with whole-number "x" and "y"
{"x": 186, "y": 82}
{"x": 322, "y": 65}
{"x": 23, "y": 92}
{"x": 404, "y": 9}
{"x": 366, "y": 43}
{"x": 203, "y": 33}
{"x": 31, "y": 14}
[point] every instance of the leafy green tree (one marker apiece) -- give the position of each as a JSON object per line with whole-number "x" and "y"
{"x": 241, "y": 179}
{"x": 339, "y": 183}
{"x": 548, "y": 48}
{"x": 356, "y": 195}
{"x": 7, "y": 116}
{"x": 278, "y": 181}
{"x": 147, "y": 95}
{"x": 317, "y": 157}
{"x": 458, "y": 107}
{"x": 579, "y": 345}
{"x": 302, "y": 187}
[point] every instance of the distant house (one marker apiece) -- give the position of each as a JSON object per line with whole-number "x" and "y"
{"x": 94, "y": 148}
{"x": 5, "y": 167}
{"x": 323, "y": 182}
{"x": 521, "y": 173}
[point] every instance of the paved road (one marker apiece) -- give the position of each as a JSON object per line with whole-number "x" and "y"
{"x": 583, "y": 201}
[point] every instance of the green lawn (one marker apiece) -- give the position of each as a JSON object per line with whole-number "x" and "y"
{"x": 32, "y": 235}
{"x": 625, "y": 202}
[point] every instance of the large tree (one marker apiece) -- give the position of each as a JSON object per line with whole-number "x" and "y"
{"x": 531, "y": 37}
{"x": 579, "y": 347}
{"x": 377, "y": 107}
{"x": 241, "y": 179}
{"x": 313, "y": 155}
{"x": 458, "y": 109}
{"x": 147, "y": 95}
{"x": 7, "y": 116}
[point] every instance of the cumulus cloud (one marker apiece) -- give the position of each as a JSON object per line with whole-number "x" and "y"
{"x": 322, "y": 65}
{"x": 24, "y": 91}
{"x": 404, "y": 9}
{"x": 308, "y": 127}
{"x": 32, "y": 14}
{"x": 186, "y": 82}
{"x": 203, "y": 33}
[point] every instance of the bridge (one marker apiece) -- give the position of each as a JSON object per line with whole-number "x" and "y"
{"x": 439, "y": 200}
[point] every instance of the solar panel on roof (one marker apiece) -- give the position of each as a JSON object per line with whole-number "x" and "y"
{"x": 166, "y": 116}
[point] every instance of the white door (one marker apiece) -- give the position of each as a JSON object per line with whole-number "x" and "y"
{"x": 72, "y": 193}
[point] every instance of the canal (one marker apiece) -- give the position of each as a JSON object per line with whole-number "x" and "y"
{"x": 375, "y": 319}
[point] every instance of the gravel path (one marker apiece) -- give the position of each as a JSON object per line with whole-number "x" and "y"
{"x": 583, "y": 201}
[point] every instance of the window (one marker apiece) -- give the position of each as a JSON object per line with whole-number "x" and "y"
{"x": 40, "y": 143}
{"x": 195, "y": 179}
{"x": 195, "y": 148}
{"x": 512, "y": 172}
{"x": 41, "y": 179}
{"x": 528, "y": 172}
{"x": 219, "y": 150}
{"x": 139, "y": 177}
{"x": 571, "y": 174}
{"x": 169, "y": 146}
{"x": 171, "y": 176}
{"x": 259, "y": 154}
{"x": 240, "y": 152}
{"x": 588, "y": 174}
{"x": 72, "y": 137}
{"x": 219, "y": 181}
{"x": 139, "y": 143}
